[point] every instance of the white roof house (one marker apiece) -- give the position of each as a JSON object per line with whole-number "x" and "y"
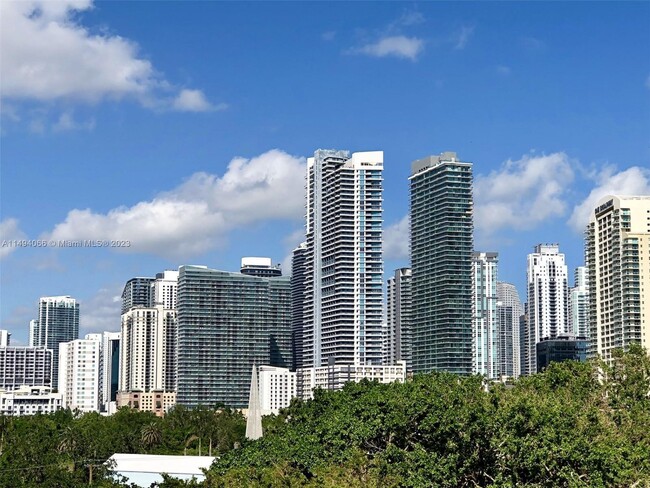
{"x": 145, "y": 469}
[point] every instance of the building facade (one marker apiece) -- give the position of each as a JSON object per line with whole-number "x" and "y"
{"x": 564, "y": 347}
{"x": 79, "y": 373}
{"x": 109, "y": 373}
{"x": 343, "y": 306}
{"x": 617, "y": 254}
{"x": 547, "y": 317}
{"x": 261, "y": 267}
{"x": 137, "y": 292}
{"x": 441, "y": 213}
{"x": 5, "y": 338}
{"x": 334, "y": 377}
{"x": 30, "y": 400}
{"x": 226, "y": 323}
{"x": 277, "y": 387}
{"x": 579, "y": 304}
{"x": 148, "y": 350}
{"x": 298, "y": 277}
{"x": 58, "y": 322}
{"x": 485, "y": 319}
{"x": 164, "y": 290}
{"x": 509, "y": 312}
{"x": 397, "y": 337}
{"x": 31, "y": 366}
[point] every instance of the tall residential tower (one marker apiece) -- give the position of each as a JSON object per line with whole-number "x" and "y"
{"x": 618, "y": 262}
{"x": 547, "y": 317}
{"x": 441, "y": 262}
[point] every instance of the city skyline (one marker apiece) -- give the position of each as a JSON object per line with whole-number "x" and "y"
{"x": 193, "y": 160}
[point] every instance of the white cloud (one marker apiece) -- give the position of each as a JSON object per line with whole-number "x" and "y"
{"x": 194, "y": 101}
{"x": 198, "y": 214}
{"x": 328, "y": 36}
{"x": 462, "y": 37}
{"x": 523, "y": 193}
{"x": 396, "y": 240}
{"x": 632, "y": 181}
{"x": 66, "y": 122}
{"x": 48, "y": 55}
{"x": 647, "y": 82}
{"x": 9, "y": 231}
{"x": 397, "y": 46}
{"x": 101, "y": 312}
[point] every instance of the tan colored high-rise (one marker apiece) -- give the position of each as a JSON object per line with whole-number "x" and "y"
{"x": 617, "y": 254}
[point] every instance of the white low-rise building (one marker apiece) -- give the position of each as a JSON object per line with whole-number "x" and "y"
{"x": 336, "y": 376}
{"x": 277, "y": 386}
{"x": 29, "y": 400}
{"x": 145, "y": 469}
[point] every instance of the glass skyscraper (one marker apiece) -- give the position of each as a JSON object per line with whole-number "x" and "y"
{"x": 441, "y": 262}
{"x": 226, "y": 323}
{"x": 58, "y": 321}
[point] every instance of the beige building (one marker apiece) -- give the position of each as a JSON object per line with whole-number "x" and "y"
{"x": 147, "y": 357}
{"x": 618, "y": 261}
{"x": 157, "y": 401}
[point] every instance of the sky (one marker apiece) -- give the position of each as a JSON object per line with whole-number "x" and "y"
{"x": 183, "y": 128}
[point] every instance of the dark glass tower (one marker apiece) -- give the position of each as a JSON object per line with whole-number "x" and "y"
{"x": 58, "y": 321}
{"x": 298, "y": 276}
{"x": 226, "y": 323}
{"x": 441, "y": 262}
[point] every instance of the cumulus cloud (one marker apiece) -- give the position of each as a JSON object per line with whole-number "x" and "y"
{"x": 522, "y": 194}
{"x": 48, "y": 55}
{"x": 194, "y": 101}
{"x": 9, "y": 231}
{"x": 198, "y": 214}
{"x": 101, "y": 312}
{"x": 396, "y": 239}
{"x": 396, "y": 46}
{"x": 632, "y": 181}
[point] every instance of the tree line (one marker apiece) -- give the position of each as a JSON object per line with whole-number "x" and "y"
{"x": 573, "y": 425}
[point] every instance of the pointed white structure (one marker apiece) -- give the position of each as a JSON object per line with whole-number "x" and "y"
{"x": 254, "y": 420}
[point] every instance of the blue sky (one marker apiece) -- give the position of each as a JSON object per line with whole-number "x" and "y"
{"x": 182, "y": 127}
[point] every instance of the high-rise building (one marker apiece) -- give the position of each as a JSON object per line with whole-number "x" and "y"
{"x": 509, "y": 312}
{"x": 298, "y": 277}
{"x": 148, "y": 350}
{"x": 110, "y": 370}
{"x": 164, "y": 290}
{"x": 58, "y": 322}
{"x": 343, "y": 303}
{"x": 261, "y": 267}
{"x": 343, "y": 259}
{"x": 33, "y": 328}
{"x": 618, "y": 263}
{"x": 441, "y": 261}
{"x": 137, "y": 292}
{"x": 485, "y": 331}
{"x": 397, "y": 338}
{"x": 5, "y": 338}
{"x": 30, "y": 366}
{"x": 79, "y": 373}
{"x": 226, "y": 323}
{"x": 579, "y": 304}
{"x": 547, "y": 279}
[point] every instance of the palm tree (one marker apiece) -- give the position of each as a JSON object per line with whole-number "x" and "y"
{"x": 150, "y": 435}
